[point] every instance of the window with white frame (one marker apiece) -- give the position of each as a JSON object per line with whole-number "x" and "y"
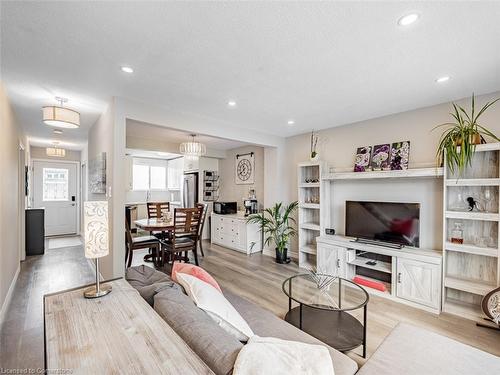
{"x": 149, "y": 174}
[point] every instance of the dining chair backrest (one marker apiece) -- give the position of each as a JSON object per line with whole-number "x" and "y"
{"x": 155, "y": 209}
{"x": 187, "y": 221}
{"x": 204, "y": 209}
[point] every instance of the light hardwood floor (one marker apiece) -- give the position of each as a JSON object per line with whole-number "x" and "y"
{"x": 258, "y": 278}
{"x": 255, "y": 277}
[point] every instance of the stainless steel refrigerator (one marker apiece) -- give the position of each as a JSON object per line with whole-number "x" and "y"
{"x": 189, "y": 189}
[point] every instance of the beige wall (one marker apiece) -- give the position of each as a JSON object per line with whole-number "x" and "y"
{"x": 229, "y": 190}
{"x": 338, "y": 145}
{"x": 40, "y": 153}
{"x": 101, "y": 139}
{"x": 10, "y": 200}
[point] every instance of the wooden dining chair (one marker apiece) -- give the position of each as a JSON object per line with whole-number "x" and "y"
{"x": 184, "y": 237}
{"x": 139, "y": 243}
{"x": 155, "y": 208}
{"x": 204, "y": 208}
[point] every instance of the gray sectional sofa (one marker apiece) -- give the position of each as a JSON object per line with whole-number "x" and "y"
{"x": 211, "y": 343}
{"x": 406, "y": 350}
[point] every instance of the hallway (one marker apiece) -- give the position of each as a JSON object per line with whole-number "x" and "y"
{"x": 21, "y": 334}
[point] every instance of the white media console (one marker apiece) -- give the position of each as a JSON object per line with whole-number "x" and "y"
{"x": 410, "y": 275}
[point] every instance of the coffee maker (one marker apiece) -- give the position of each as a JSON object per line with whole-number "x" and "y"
{"x": 251, "y": 206}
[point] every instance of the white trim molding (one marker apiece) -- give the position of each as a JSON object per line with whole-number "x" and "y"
{"x": 8, "y": 296}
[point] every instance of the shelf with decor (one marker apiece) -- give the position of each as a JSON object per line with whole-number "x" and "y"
{"x": 471, "y": 238}
{"x": 406, "y": 173}
{"x": 312, "y": 218}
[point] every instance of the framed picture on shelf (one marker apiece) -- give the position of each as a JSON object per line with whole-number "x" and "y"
{"x": 400, "y": 155}
{"x": 362, "y": 161}
{"x": 381, "y": 157}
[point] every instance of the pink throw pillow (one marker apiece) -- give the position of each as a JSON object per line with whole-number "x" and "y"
{"x": 195, "y": 271}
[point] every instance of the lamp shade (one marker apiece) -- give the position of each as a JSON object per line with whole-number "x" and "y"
{"x": 61, "y": 117}
{"x": 95, "y": 222}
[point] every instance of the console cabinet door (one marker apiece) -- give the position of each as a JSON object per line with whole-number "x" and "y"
{"x": 418, "y": 282}
{"x": 331, "y": 260}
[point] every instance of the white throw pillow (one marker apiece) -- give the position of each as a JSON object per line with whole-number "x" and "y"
{"x": 216, "y": 306}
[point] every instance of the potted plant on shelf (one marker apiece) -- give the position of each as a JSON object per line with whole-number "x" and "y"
{"x": 276, "y": 225}
{"x": 458, "y": 142}
{"x": 314, "y": 156}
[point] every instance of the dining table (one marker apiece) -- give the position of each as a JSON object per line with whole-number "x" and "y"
{"x": 154, "y": 224}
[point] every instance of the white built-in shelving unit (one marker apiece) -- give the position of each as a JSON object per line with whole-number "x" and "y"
{"x": 312, "y": 218}
{"x": 471, "y": 269}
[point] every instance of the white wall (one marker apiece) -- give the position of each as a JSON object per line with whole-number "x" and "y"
{"x": 102, "y": 139}
{"x": 229, "y": 190}
{"x": 10, "y": 229}
{"x": 338, "y": 145}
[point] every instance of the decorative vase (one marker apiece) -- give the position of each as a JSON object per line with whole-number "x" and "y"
{"x": 475, "y": 139}
{"x": 282, "y": 256}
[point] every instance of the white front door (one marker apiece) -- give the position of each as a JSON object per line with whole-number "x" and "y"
{"x": 55, "y": 189}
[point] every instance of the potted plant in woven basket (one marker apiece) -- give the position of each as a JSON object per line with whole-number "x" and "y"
{"x": 276, "y": 223}
{"x": 458, "y": 142}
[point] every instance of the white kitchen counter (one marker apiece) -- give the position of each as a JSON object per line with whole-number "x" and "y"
{"x": 144, "y": 203}
{"x": 240, "y": 215}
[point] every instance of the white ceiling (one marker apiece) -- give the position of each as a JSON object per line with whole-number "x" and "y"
{"x": 322, "y": 64}
{"x": 150, "y": 131}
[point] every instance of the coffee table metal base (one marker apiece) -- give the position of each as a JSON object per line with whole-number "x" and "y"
{"x": 338, "y": 329}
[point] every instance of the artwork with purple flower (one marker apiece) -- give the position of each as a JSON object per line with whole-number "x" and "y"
{"x": 362, "y": 159}
{"x": 381, "y": 157}
{"x": 400, "y": 155}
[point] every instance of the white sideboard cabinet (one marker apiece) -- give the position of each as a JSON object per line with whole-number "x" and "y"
{"x": 233, "y": 232}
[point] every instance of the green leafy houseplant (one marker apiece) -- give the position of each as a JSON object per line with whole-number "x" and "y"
{"x": 458, "y": 142}
{"x": 276, "y": 225}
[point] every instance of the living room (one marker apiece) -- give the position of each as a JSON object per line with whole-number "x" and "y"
{"x": 386, "y": 255}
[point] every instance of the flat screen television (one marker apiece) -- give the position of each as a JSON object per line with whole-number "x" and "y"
{"x": 397, "y": 223}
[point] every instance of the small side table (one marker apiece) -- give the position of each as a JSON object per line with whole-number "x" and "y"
{"x": 323, "y": 312}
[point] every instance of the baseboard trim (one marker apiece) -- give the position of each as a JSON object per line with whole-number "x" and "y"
{"x": 8, "y": 297}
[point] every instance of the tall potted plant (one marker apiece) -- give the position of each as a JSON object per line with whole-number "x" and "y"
{"x": 458, "y": 142}
{"x": 276, "y": 225}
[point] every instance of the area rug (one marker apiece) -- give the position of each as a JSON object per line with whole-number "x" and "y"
{"x": 57, "y": 243}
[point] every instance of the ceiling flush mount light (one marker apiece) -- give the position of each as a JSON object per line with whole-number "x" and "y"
{"x": 55, "y": 151}
{"x": 60, "y": 116}
{"x": 127, "y": 69}
{"x": 443, "y": 79}
{"x": 192, "y": 148}
{"x": 408, "y": 19}
{"x": 231, "y": 103}
{"x": 291, "y": 122}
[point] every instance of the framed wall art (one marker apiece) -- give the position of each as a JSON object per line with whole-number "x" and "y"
{"x": 244, "y": 168}
{"x": 97, "y": 174}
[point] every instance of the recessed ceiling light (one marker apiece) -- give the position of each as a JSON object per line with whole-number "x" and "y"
{"x": 127, "y": 69}
{"x": 443, "y": 79}
{"x": 291, "y": 122}
{"x": 231, "y": 103}
{"x": 58, "y": 131}
{"x": 408, "y": 19}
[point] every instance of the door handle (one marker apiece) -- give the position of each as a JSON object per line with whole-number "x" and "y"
{"x": 399, "y": 278}
{"x": 338, "y": 263}
{"x": 73, "y": 204}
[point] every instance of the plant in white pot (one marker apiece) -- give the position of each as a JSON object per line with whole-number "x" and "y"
{"x": 276, "y": 223}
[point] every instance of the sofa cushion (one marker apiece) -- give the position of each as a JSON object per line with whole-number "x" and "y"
{"x": 216, "y": 306}
{"x": 412, "y": 350}
{"x": 265, "y": 324}
{"x": 217, "y": 348}
{"x": 195, "y": 271}
{"x": 148, "y": 281}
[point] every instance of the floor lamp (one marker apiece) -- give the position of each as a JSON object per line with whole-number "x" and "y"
{"x": 95, "y": 222}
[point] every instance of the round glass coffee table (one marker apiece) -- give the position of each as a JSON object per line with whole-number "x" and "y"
{"x": 323, "y": 311}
